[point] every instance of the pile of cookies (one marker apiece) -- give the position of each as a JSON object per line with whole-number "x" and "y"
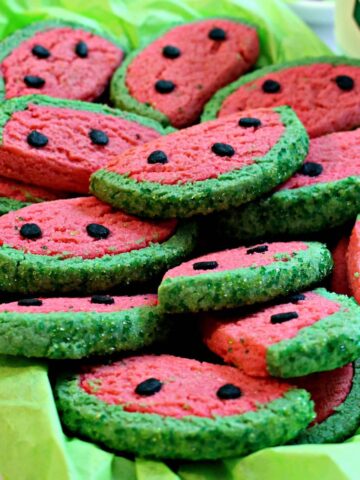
{"x": 210, "y": 209}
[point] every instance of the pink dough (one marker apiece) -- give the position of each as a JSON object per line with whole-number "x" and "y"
{"x": 203, "y": 67}
{"x": 66, "y": 75}
{"x": 189, "y": 387}
{"x": 66, "y": 304}
{"x": 311, "y": 91}
{"x": 63, "y": 225}
{"x": 353, "y": 262}
{"x": 189, "y": 153}
{"x": 243, "y": 341}
{"x": 70, "y": 157}
{"x": 238, "y": 258}
{"x": 339, "y": 277}
{"x": 26, "y": 193}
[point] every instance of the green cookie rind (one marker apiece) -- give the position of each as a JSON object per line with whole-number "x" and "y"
{"x": 74, "y": 335}
{"x": 342, "y": 424}
{"x": 291, "y": 212}
{"x": 9, "y": 107}
{"x": 29, "y": 273}
{"x": 8, "y": 205}
{"x": 152, "y": 199}
{"x": 191, "y": 438}
{"x": 214, "y": 105}
{"x": 330, "y": 343}
{"x": 13, "y": 41}
{"x": 245, "y": 286}
{"x": 119, "y": 92}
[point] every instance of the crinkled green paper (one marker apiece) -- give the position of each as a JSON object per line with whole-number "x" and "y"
{"x": 32, "y": 444}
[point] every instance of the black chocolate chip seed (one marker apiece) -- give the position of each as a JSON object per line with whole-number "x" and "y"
{"x": 98, "y": 137}
{"x": 210, "y": 265}
{"x": 297, "y": 297}
{"x": 229, "y": 392}
{"x": 32, "y": 81}
{"x": 81, "y": 50}
{"x": 169, "y": 51}
{"x": 148, "y": 387}
{"x": 283, "y": 317}
{"x": 344, "y": 82}
{"x": 223, "y": 149}
{"x": 157, "y": 156}
{"x": 259, "y": 249}
{"x": 31, "y": 231}
{"x": 164, "y": 86}
{"x": 30, "y": 302}
{"x": 271, "y": 86}
{"x": 248, "y": 122}
{"x": 40, "y": 52}
{"x": 217, "y": 34}
{"x": 103, "y": 299}
{"x": 96, "y": 230}
{"x": 311, "y": 169}
{"x": 37, "y": 139}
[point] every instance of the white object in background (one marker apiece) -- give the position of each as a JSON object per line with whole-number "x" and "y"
{"x": 319, "y": 15}
{"x": 347, "y": 22}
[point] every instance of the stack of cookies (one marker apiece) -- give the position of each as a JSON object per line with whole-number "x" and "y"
{"x": 188, "y": 252}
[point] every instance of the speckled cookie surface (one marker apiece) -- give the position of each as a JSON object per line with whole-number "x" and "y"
{"x": 67, "y": 139}
{"x": 171, "y": 407}
{"x": 60, "y": 59}
{"x": 206, "y": 167}
{"x": 323, "y": 91}
{"x": 323, "y": 194}
{"x": 353, "y": 261}
{"x": 88, "y": 248}
{"x": 311, "y": 332}
{"x": 72, "y": 328}
{"x": 171, "y": 79}
{"x": 339, "y": 282}
{"x": 243, "y": 276}
{"x": 336, "y": 395}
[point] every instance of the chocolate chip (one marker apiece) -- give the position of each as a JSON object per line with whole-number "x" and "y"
{"x": 40, "y": 52}
{"x": 157, "y": 156}
{"x": 259, "y": 249}
{"x": 103, "y": 299}
{"x": 283, "y": 317}
{"x": 37, "y": 139}
{"x": 210, "y": 265}
{"x": 248, "y": 122}
{"x": 32, "y": 81}
{"x": 229, "y": 392}
{"x": 344, "y": 82}
{"x": 311, "y": 169}
{"x": 97, "y": 231}
{"x": 30, "y": 302}
{"x": 164, "y": 86}
{"x": 223, "y": 150}
{"x": 30, "y": 230}
{"x": 297, "y": 297}
{"x": 148, "y": 387}
{"x": 217, "y": 34}
{"x": 98, "y": 137}
{"x": 81, "y": 49}
{"x": 169, "y": 51}
{"x": 271, "y": 86}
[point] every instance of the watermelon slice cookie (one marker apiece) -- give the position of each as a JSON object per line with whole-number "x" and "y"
{"x": 172, "y": 407}
{"x": 336, "y": 395}
{"x": 67, "y": 139}
{"x": 310, "y": 332}
{"x": 323, "y": 194}
{"x": 59, "y": 59}
{"x": 69, "y": 328}
{"x": 324, "y": 92}
{"x": 206, "y": 167}
{"x": 172, "y": 78}
{"x": 82, "y": 245}
{"x": 339, "y": 282}
{"x": 353, "y": 261}
{"x": 15, "y": 195}
{"x": 243, "y": 276}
